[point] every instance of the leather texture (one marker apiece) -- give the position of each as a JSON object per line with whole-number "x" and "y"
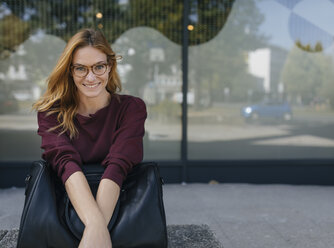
{"x": 49, "y": 220}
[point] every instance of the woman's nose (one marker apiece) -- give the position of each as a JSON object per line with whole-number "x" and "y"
{"x": 90, "y": 76}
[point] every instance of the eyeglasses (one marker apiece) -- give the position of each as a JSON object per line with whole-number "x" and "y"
{"x": 82, "y": 70}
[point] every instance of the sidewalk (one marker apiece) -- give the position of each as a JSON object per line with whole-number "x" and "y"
{"x": 240, "y": 215}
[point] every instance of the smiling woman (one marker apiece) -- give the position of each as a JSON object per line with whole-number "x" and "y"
{"x": 82, "y": 120}
{"x": 69, "y": 93}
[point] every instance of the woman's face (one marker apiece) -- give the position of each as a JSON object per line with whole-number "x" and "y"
{"x": 91, "y": 85}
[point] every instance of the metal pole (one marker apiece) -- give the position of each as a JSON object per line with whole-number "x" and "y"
{"x": 185, "y": 43}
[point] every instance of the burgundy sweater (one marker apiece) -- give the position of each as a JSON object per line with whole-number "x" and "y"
{"x": 113, "y": 137}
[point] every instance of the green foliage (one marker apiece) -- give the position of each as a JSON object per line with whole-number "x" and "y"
{"x": 64, "y": 18}
{"x": 211, "y": 18}
{"x": 308, "y": 75}
{"x": 13, "y": 32}
{"x": 308, "y": 48}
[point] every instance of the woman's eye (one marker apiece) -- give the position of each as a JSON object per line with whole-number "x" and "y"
{"x": 99, "y": 67}
{"x": 80, "y": 68}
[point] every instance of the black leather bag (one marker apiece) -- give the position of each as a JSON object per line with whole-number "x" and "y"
{"x": 49, "y": 220}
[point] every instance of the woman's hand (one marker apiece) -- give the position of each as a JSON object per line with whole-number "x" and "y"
{"x": 96, "y": 235}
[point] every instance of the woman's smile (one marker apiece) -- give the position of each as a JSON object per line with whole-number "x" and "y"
{"x": 92, "y": 86}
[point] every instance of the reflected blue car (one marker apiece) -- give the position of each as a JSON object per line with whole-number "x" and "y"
{"x": 276, "y": 110}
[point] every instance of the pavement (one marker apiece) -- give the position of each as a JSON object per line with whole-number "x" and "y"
{"x": 238, "y": 215}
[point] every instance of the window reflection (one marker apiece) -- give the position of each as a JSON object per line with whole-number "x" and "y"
{"x": 268, "y": 79}
{"x": 151, "y": 70}
{"x": 269, "y": 59}
{"x": 23, "y": 78}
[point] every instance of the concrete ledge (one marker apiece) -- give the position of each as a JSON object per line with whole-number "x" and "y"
{"x": 185, "y": 236}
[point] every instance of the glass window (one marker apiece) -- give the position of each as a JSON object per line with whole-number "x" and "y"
{"x": 146, "y": 34}
{"x": 260, "y": 76}
{"x": 263, "y": 87}
{"x": 151, "y": 69}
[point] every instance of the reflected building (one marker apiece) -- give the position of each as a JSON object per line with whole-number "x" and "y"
{"x": 267, "y": 64}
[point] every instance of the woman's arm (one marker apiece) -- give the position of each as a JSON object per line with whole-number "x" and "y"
{"x": 58, "y": 149}
{"x": 126, "y": 148}
{"x": 96, "y": 233}
{"x": 126, "y": 151}
{"x": 106, "y": 198}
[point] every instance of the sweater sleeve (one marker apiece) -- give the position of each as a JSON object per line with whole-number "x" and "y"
{"x": 126, "y": 149}
{"x": 58, "y": 149}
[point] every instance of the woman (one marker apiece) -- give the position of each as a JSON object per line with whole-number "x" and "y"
{"x": 83, "y": 120}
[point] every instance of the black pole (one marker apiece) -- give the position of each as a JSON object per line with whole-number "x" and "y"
{"x": 185, "y": 42}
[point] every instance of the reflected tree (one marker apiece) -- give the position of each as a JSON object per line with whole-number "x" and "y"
{"x": 307, "y": 76}
{"x": 221, "y": 64}
{"x": 63, "y": 17}
{"x": 308, "y": 48}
